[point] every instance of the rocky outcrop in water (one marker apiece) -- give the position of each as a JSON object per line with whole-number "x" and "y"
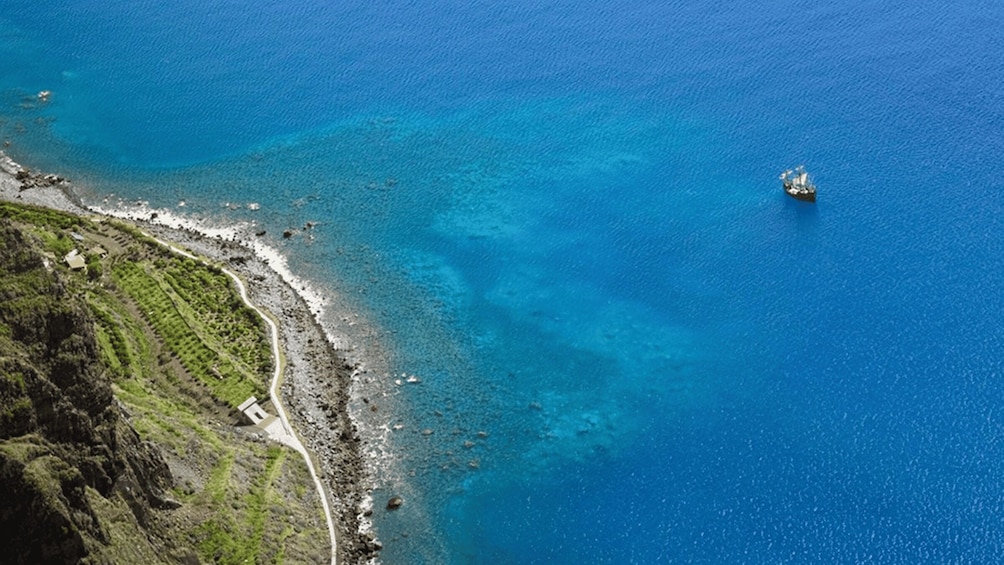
{"x": 26, "y": 177}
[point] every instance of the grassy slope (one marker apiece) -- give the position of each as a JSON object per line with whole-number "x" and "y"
{"x": 184, "y": 352}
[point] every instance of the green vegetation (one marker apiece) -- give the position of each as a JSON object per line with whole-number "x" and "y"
{"x": 58, "y": 244}
{"x": 182, "y": 351}
{"x": 201, "y": 351}
{"x": 237, "y": 538}
{"x": 135, "y": 233}
{"x": 122, "y": 533}
{"x": 16, "y": 411}
{"x": 210, "y": 294}
{"x": 112, "y": 338}
{"x": 39, "y": 217}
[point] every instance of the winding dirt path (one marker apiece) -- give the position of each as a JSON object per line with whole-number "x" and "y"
{"x": 289, "y": 436}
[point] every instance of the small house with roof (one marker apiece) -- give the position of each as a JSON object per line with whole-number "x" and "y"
{"x": 252, "y": 411}
{"x": 271, "y": 425}
{"x": 258, "y": 417}
{"x": 75, "y": 260}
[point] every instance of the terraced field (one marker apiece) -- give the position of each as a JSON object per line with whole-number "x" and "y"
{"x": 220, "y": 343}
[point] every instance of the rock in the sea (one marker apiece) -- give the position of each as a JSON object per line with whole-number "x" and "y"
{"x": 28, "y": 178}
{"x": 287, "y": 234}
{"x": 395, "y": 503}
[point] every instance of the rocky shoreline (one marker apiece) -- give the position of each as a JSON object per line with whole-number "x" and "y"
{"x": 318, "y": 377}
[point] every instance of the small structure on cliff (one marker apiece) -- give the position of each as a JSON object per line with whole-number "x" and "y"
{"x": 75, "y": 260}
{"x": 254, "y": 413}
{"x": 269, "y": 424}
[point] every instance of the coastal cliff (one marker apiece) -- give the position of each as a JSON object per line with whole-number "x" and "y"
{"x": 65, "y": 440}
{"x": 120, "y": 437}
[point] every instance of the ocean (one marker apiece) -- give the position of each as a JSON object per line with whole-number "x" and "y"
{"x": 564, "y": 219}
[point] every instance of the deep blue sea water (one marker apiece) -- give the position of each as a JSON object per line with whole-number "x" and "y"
{"x": 566, "y": 219}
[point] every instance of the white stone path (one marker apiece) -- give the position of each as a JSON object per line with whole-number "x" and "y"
{"x": 284, "y": 433}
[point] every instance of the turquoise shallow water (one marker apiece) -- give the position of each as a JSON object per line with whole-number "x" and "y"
{"x": 566, "y": 221}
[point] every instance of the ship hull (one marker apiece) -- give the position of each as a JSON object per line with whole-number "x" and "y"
{"x": 804, "y": 196}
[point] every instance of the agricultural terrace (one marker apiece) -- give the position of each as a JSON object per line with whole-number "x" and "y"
{"x": 202, "y": 321}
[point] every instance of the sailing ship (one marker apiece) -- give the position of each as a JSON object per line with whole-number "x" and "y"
{"x": 798, "y": 185}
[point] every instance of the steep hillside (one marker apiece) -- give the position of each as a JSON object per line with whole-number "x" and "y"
{"x": 65, "y": 440}
{"x": 119, "y": 438}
